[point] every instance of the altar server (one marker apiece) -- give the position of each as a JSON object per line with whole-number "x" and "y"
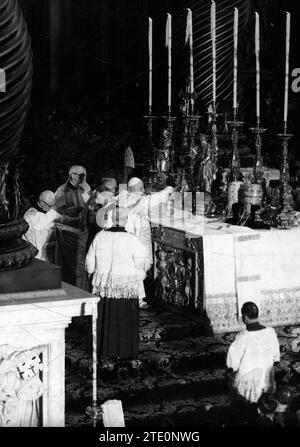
{"x": 252, "y": 355}
{"x": 41, "y": 221}
{"x": 116, "y": 260}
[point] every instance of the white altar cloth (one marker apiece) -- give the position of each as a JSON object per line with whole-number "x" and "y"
{"x": 264, "y": 268}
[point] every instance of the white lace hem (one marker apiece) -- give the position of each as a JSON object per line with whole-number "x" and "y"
{"x": 115, "y": 286}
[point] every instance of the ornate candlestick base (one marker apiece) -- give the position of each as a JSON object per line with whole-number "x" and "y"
{"x": 234, "y": 176}
{"x": 149, "y": 170}
{"x": 235, "y": 166}
{"x": 212, "y": 121}
{"x": 95, "y": 413}
{"x": 217, "y": 205}
{"x": 258, "y": 169}
{"x": 286, "y": 218}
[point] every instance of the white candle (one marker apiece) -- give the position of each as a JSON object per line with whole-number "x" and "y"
{"x": 287, "y": 62}
{"x": 169, "y": 46}
{"x": 150, "y": 64}
{"x": 257, "y": 50}
{"x": 213, "y": 41}
{"x": 235, "y": 52}
{"x": 94, "y": 337}
{"x": 189, "y": 27}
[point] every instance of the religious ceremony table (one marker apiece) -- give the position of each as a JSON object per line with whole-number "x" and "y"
{"x": 206, "y": 267}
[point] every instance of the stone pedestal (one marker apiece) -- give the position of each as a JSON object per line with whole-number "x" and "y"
{"x": 32, "y": 353}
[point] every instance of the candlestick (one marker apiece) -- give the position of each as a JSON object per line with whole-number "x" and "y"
{"x": 258, "y": 169}
{"x": 235, "y": 62}
{"x": 287, "y": 57}
{"x": 150, "y": 64}
{"x": 213, "y": 41}
{"x": 235, "y": 166}
{"x": 257, "y": 51}
{"x": 189, "y": 38}
{"x": 286, "y": 217}
{"x": 212, "y": 120}
{"x": 94, "y": 411}
{"x": 169, "y": 46}
{"x": 235, "y": 176}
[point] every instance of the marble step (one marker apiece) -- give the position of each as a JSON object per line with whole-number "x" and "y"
{"x": 193, "y": 412}
{"x": 189, "y": 412}
{"x": 189, "y": 354}
{"x": 155, "y": 324}
{"x": 150, "y": 389}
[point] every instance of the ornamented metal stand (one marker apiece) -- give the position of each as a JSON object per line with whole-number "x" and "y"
{"x": 216, "y": 205}
{"x": 212, "y": 121}
{"x": 235, "y": 176}
{"x": 285, "y": 218}
{"x": 189, "y": 151}
{"x": 235, "y": 166}
{"x": 149, "y": 169}
{"x": 258, "y": 170}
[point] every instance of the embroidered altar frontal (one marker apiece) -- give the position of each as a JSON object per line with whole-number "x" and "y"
{"x": 213, "y": 271}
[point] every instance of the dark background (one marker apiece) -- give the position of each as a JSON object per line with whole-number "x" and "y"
{"x": 90, "y": 85}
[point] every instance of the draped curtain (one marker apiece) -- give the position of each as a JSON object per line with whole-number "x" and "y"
{"x": 16, "y": 60}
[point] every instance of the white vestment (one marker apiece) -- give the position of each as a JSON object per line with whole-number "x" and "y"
{"x": 40, "y": 229}
{"x": 117, "y": 261}
{"x": 251, "y": 356}
{"x": 138, "y": 221}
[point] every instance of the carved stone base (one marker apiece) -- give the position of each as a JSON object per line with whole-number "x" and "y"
{"x": 32, "y": 354}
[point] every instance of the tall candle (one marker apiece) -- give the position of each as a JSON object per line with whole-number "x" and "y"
{"x": 287, "y": 62}
{"x": 150, "y": 64}
{"x": 257, "y": 50}
{"x": 94, "y": 344}
{"x": 213, "y": 41}
{"x": 189, "y": 38}
{"x": 169, "y": 46}
{"x": 235, "y": 52}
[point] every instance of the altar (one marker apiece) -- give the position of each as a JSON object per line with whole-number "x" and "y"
{"x": 206, "y": 268}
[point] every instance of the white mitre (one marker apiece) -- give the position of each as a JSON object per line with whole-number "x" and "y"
{"x": 129, "y": 158}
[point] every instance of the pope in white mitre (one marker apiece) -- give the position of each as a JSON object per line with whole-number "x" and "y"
{"x": 139, "y": 206}
{"x": 252, "y": 356}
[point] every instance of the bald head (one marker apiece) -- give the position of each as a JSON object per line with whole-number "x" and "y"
{"x": 46, "y": 200}
{"x": 135, "y": 184}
